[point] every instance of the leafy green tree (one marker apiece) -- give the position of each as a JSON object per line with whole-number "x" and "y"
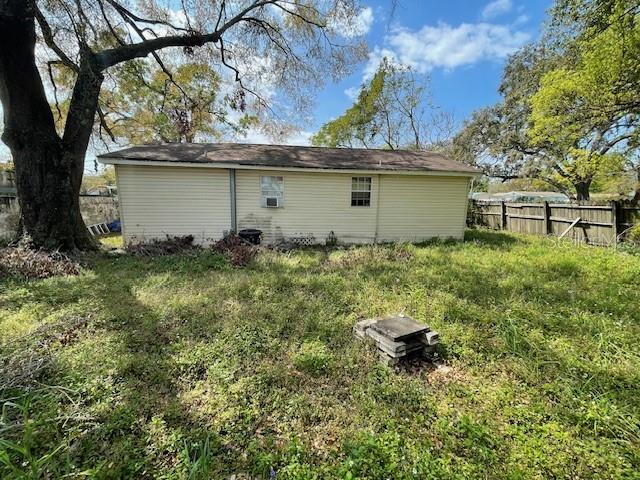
{"x": 567, "y": 109}
{"x": 574, "y": 19}
{"x": 592, "y": 108}
{"x": 393, "y": 110}
{"x": 496, "y": 138}
{"x": 359, "y": 125}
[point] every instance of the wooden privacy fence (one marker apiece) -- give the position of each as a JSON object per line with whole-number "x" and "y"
{"x": 595, "y": 224}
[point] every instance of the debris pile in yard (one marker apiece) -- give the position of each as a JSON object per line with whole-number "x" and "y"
{"x": 398, "y": 338}
{"x": 239, "y": 251}
{"x": 24, "y": 261}
{"x": 169, "y": 246}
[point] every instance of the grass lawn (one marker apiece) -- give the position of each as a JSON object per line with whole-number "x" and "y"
{"x": 186, "y": 367}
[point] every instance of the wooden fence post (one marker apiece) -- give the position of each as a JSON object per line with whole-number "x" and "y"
{"x": 547, "y": 215}
{"x": 503, "y": 215}
{"x": 614, "y": 221}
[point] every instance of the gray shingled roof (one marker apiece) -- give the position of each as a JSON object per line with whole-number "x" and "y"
{"x": 288, "y": 156}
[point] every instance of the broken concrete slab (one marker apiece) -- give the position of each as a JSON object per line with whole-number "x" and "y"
{"x": 397, "y": 338}
{"x": 399, "y": 327}
{"x": 404, "y": 353}
{"x": 431, "y": 338}
{"x": 387, "y": 360}
{"x": 361, "y": 327}
{"x": 390, "y": 345}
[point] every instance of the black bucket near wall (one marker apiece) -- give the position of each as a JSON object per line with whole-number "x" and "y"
{"x": 251, "y": 235}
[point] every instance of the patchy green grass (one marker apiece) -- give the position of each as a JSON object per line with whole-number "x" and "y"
{"x": 185, "y": 367}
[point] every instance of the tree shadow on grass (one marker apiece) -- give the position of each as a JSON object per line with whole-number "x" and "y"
{"x": 149, "y": 430}
{"x": 120, "y": 371}
{"x": 170, "y": 348}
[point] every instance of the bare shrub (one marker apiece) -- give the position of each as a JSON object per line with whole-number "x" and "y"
{"x": 23, "y": 261}
{"x": 239, "y": 251}
{"x": 169, "y": 246}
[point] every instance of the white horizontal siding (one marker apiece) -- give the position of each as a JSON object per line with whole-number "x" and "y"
{"x": 415, "y": 208}
{"x": 160, "y": 201}
{"x": 157, "y": 201}
{"x": 314, "y": 204}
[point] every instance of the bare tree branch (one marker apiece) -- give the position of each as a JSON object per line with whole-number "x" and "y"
{"x": 104, "y": 125}
{"x": 136, "y": 18}
{"x": 121, "y": 54}
{"x": 50, "y": 42}
{"x": 55, "y": 87}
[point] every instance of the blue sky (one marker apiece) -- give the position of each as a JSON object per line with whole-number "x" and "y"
{"x": 460, "y": 44}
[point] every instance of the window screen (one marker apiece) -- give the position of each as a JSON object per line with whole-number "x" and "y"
{"x": 272, "y": 191}
{"x": 360, "y": 191}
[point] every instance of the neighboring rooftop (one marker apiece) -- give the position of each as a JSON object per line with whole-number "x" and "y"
{"x": 287, "y": 156}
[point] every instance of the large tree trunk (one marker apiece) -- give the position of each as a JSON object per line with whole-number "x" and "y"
{"x": 48, "y": 169}
{"x": 582, "y": 190}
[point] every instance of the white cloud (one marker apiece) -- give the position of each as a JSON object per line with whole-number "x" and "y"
{"x": 349, "y": 26}
{"x": 352, "y": 92}
{"x": 496, "y": 8}
{"x": 257, "y": 136}
{"x": 300, "y": 138}
{"x": 364, "y": 21}
{"x": 445, "y": 46}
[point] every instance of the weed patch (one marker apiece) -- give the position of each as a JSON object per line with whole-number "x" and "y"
{"x": 312, "y": 357}
{"x": 369, "y": 257}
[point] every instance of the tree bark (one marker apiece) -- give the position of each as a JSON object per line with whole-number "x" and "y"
{"x": 48, "y": 169}
{"x": 582, "y": 190}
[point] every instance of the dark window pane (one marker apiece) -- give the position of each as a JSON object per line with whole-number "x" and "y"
{"x": 360, "y": 199}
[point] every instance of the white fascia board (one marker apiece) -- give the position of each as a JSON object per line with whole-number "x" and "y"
{"x": 123, "y": 161}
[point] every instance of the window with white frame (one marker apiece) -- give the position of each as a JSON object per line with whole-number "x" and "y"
{"x": 272, "y": 191}
{"x": 361, "y": 191}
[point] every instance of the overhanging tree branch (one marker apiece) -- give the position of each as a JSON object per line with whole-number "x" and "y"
{"x": 113, "y": 56}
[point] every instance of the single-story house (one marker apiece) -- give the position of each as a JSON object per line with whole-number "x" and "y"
{"x": 362, "y": 196}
